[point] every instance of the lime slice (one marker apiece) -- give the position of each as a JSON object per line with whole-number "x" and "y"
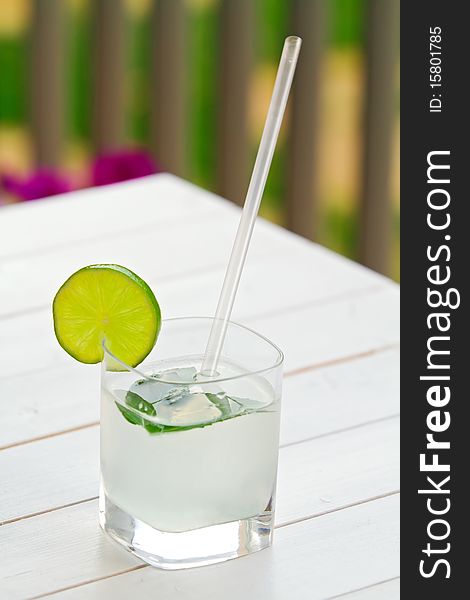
{"x": 106, "y": 302}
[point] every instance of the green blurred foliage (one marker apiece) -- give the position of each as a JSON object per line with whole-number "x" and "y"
{"x": 14, "y": 74}
{"x": 140, "y": 43}
{"x": 202, "y": 95}
{"x": 79, "y": 77}
{"x": 347, "y": 18}
{"x": 272, "y": 26}
{"x": 340, "y": 231}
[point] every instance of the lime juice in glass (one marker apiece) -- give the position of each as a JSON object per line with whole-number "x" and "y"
{"x": 188, "y": 461}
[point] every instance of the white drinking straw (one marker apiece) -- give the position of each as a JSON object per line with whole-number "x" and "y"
{"x": 254, "y": 194}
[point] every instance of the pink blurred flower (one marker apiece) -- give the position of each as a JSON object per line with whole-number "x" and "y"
{"x": 121, "y": 166}
{"x": 40, "y": 184}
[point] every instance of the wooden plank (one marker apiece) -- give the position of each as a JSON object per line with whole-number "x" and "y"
{"x": 167, "y": 90}
{"x": 336, "y": 330}
{"x": 31, "y": 228}
{"x": 333, "y": 331}
{"x": 31, "y": 282}
{"x": 172, "y": 268}
{"x": 389, "y": 590}
{"x": 58, "y": 549}
{"x": 66, "y": 548}
{"x": 309, "y": 22}
{"x": 236, "y": 57}
{"x": 47, "y": 81}
{"x": 314, "y": 403}
{"x": 344, "y": 468}
{"x": 379, "y": 112}
{"x": 340, "y": 396}
{"x": 58, "y": 471}
{"x": 109, "y": 69}
{"x": 44, "y": 403}
{"x": 261, "y": 290}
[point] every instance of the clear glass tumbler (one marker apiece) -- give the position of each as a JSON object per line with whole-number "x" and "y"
{"x": 189, "y": 463}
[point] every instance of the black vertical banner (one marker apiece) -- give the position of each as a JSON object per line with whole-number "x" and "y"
{"x": 435, "y": 163}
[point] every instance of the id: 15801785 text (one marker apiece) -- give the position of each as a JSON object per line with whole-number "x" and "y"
{"x": 435, "y": 69}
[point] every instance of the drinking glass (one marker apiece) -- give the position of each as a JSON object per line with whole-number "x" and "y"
{"x": 189, "y": 463}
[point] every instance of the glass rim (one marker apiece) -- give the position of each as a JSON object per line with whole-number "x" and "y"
{"x": 216, "y": 379}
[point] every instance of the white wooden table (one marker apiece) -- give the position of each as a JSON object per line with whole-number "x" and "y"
{"x": 337, "y": 510}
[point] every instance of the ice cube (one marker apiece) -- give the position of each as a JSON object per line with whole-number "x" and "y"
{"x": 151, "y": 390}
{"x": 158, "y": 386}
{"x": 183, "y": 375}
{"x": 187, "y": 409}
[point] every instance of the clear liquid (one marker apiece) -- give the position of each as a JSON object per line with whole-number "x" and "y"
{"x": 204, "y": 454}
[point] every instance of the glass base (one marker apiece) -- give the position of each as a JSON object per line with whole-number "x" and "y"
{"x": 198, "y": 547}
